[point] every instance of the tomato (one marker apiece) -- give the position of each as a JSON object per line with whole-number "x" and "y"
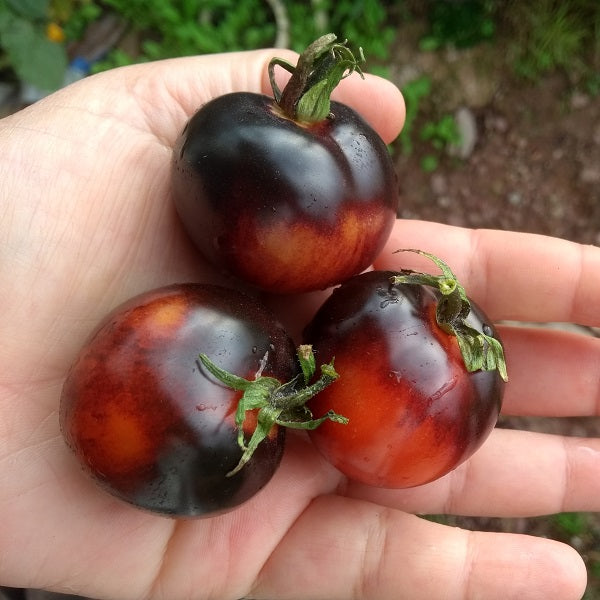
{"x": 415, "y": 410}
{"x": 154, "y": 427}
{"x": 283, "y": 193}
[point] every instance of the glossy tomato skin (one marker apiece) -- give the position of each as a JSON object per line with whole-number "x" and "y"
{"x": 149, "y": 424}
{"x": 286, "y": 207}
{"x": 414, "y": 411}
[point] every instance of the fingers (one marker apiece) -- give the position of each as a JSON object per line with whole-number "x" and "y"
{"x": 511, "y": 275}
{"x": 514, "y": 474}
{"x": 551, "y": 373}
{"x": 355, "y": 549}
{"x": 379, "y": 102}
{"x": 527, "y": 277}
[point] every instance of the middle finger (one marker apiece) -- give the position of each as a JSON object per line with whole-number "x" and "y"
{"x": 514, "y": 474}
{"x": 552, "y": 373}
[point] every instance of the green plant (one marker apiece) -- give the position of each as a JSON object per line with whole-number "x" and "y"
{"x": 75, "y": 16}
{"x": 185, "y": 27}
{"x": 592, "y": 84}
{"x": 24, "y": 47}
{"x": 595, "y": 567}
{"x": 552, "y": 34}
{"x": 433, "y": 135}
{"x": 439, "y": 135}
{"x": 570, "y": 524}
{"x": 414, "y": 92}
{"x": 362, "y": 22}
{"x": 459, "y": 24}
{"x": 429, "y": 163}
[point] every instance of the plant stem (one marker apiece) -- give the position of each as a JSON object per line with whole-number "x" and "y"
{"x": 324, "y": 63}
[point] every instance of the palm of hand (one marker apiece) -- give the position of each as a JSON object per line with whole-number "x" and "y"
{"x": 93, "y": 227}
{"x": 97, "y": 230}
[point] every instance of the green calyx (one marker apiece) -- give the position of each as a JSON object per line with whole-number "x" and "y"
{"x": 276, "y": 403}
{"x": 479, "y": 350}
{"x": 306, "y": 97}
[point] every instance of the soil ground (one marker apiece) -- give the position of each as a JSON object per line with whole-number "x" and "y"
{"x": 535, "y": 167}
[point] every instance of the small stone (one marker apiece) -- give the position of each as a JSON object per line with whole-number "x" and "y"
{"x": 557, "y": 209}
{"x": 406, "y": 74}
{"x": 501, "y": 124}
{"x": 496, "y": 123}
{"x": 467, "y": 129}
{"x": 590, "y": 174}
{"x": 515, "y": 198}
{"x": 579, "y": 100}
{"x": 439, "y": 184}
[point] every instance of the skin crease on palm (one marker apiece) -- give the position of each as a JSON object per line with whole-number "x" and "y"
{"x": 86, "y": 222}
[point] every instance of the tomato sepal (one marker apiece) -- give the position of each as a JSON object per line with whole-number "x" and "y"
{"x": 479, "y": 350}
{"x": 276, "y": 403}
{"x": 324, "y": 63}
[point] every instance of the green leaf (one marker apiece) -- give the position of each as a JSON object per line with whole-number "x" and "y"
{"x": 266, "y": 418}
{"x": 35, "y": 59}
{"x": 429, "y": 163}
{"x": 306, "y": 358}
{"x": 429, "y": 44}
{"x": 35, "y": 10}
{"x": 314, "y": 105}
{"x": 229, "y": 379}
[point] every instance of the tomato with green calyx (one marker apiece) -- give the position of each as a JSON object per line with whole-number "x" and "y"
{"x": 291, "y": 193}
{"x": 146, "y": 413}
{"x": 421, "y": 376}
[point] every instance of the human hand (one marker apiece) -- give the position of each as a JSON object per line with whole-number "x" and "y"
{"x": 86, "y": 222}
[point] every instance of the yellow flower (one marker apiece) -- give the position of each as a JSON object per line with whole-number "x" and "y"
{"x": 55, "y": 33}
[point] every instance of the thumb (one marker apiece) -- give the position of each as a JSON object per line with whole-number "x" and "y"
{"x": 170, "y": 91}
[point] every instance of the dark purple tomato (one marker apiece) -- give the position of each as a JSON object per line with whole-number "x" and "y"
{"x": 415, "y": 412}
{"x": 149, "y": 424}
{"x": 286, "y": 206}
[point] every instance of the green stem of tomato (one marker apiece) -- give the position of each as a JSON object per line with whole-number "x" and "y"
{"x": 306, "y": 97}
{"x": 277, "y": 403}
{"x": 479, "y": 350}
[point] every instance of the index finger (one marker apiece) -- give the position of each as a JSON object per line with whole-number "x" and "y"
{"x": 519, "y": 276}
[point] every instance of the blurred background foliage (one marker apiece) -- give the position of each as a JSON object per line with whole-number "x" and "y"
{"x": 35, "y": 35}
{"x": 39, "y": 39}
